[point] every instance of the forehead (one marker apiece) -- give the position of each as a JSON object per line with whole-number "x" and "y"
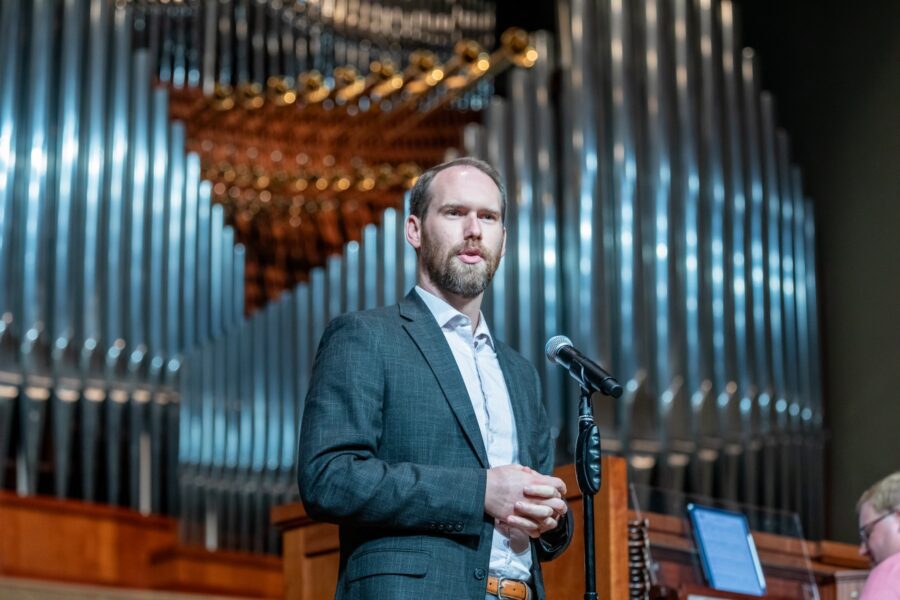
{"x": 465, "y": 185}
{"x": 867, "y": 512}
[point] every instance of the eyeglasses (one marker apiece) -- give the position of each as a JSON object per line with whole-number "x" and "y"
{"x": 866, "y": 530}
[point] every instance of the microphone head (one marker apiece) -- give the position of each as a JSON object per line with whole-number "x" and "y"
{"x": 554, "y": 345}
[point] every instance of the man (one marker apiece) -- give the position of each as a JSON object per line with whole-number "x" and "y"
{"x": 879, "y": 532}
{"x": 424, "y": 437}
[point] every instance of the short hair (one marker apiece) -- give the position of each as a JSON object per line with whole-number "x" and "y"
{"x": 420, "y": 196}
{"x": 884, "y": 495}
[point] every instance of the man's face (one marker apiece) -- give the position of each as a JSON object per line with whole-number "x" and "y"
{"x": 461, "y": 237}
{"x": 882, "y": 538}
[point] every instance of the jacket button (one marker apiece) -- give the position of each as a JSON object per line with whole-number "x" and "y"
{"x": 479, "y": 574}
{"x": 459, "y": 527}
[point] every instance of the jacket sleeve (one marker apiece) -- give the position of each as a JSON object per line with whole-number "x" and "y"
{"x": 341, "y": 478}
{"x": 554, "y": 542}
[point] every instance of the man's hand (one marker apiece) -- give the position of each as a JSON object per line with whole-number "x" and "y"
{"x": 524, "y": 499}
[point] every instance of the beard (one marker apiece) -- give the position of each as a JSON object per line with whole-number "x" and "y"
{"x": 453, "y": 275}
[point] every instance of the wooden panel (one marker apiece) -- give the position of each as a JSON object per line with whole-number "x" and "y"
{"x": 76, "y": 541}
{"x": 311, "y": 549}
{"x": 197, "y": 570}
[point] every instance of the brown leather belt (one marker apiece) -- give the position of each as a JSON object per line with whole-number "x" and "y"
{"x": 508, "y": 588}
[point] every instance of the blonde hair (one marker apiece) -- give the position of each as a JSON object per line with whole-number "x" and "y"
{"x": 884, "y": 495}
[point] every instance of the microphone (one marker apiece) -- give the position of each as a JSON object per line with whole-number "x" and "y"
{"x": 586, "y": 372}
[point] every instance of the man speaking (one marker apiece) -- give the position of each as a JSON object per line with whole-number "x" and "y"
{"x": 423, "y": 436}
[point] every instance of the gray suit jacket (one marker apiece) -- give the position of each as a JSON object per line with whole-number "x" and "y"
{"x": 391, "y": 451}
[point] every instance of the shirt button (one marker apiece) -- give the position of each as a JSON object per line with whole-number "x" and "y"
{"x": 479, "y": 574}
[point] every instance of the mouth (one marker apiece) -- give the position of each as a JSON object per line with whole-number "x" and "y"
{"x": 470, "y": 256}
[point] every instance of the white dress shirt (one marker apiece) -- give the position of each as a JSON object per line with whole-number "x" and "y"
{"x": 477, "y": 361}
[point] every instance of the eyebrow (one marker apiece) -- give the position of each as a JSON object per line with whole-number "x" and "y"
{"x": 462, "y": 206}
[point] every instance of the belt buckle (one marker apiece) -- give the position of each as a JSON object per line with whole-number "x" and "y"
{"x": 500, "y": 592}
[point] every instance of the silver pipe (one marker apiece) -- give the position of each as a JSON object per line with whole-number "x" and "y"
{"x": 204, "y": 245}
{"x": 406, "y": 254}
{"x": 520, "y": 236}
{"x": 754, "y": 185}
{"x": 388, "y": 240}
{"x": 334, "y": 290}
{"x": 9, "y": 117}
{"x": 318, "y": 301}
{"x": 91, "y": 401}
{"x": 305, "y": 347}
{"x": 545, "y": 199}
{"x": 688, "y": 265}
{"x": 741, "y": 281}
{"x": 115, "y": 299}
{"x": 196, "y": 49}
{"x": 713, "y": 192}
{"x": 67, "y": 179}
{"x": 139, "y": 163}
{"x": 159, "y": 190}
{"x": 216, "y": 271}
{"x": 228, "y": 283}
{"x": 801, "y": 270}
{"x": 33, "y": 187}
{"x": 351, "y": 276}
{"x": 773, "y": 250}
{"x": 210, "y": 25}
{"x": 369, "y": 266}
{"x": 179, "y": 46}
{"x": 64, "y": 395}
{"x": 239, "y": 260}
{"x": 258, "y": 328}
{"x": 286, "y": 358}
{"x": 496, "y": 300}
{"x": 114, "y": 417}
{"x": 245, "y": 452}
{"x": 224, "y": 41}
{"x": 175, "y": 243}
{"x": 659, "y": 190}
{"x": 786, "y": 235}
{"x": 136, "y": 432}
{"x": 624, "y": 192}
{"x": 94, "y": 194}
{"x": 273, "y": 389}
{"x": 190, "y": 251}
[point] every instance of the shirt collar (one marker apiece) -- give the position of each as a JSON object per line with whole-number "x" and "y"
{"x": 446, "y": 316}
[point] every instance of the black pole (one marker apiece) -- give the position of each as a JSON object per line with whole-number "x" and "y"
{"x": 587, "y": 472}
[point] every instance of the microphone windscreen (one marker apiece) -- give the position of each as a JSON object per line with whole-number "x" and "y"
{"x": 553, "y": 346}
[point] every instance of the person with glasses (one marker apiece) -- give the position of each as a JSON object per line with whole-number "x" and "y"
{"x": 879, "y": 533}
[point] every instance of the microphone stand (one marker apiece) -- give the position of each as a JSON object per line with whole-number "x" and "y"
{"x": 587, "y": 472}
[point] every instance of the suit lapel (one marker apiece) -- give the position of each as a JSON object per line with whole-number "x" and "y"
{"x": 428, "y": 337}
{"x": 518, "y": 397}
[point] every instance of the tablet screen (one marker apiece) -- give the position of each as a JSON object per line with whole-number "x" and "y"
{"x": 727, "y": 551}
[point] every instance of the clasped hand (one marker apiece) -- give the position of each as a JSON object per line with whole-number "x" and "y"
{"x": 522, "y": 498}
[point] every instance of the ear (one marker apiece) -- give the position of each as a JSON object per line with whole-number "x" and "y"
{"x": 503, "y": 246}
{"x": 414, "y": 231}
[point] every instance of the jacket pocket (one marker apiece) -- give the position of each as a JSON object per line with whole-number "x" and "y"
{"x": 413, "y": 563}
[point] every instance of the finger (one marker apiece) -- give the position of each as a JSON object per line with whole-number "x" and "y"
{"x": 549, "y": 524}
{"x": 559, "y": 484}
{"x": 558, "y": 505}
{"x": 526, "y": 525}
{"x": 541, "y": 491}
{"x": 529, "y": 509}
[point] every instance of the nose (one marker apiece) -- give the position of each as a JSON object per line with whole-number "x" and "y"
{"x": 472, "y": 226}
{"x": 863, "y": 549}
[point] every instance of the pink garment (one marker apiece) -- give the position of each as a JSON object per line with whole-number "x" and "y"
{"x": 884, "y": 580}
